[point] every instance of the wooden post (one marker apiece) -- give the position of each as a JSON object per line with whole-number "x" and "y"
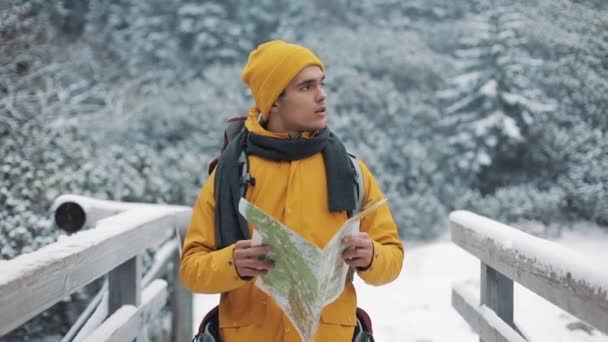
{"x": 181, "y": 307}
{"x": 124, "y": 285}
{"x": 497, "y": 294}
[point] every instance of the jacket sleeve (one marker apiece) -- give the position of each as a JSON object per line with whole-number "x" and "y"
{"x": 380, "y": 225}
{"x": 204, "y": 269}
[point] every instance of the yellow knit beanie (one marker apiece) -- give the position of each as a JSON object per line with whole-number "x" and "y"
{"x": 271, "y": 66}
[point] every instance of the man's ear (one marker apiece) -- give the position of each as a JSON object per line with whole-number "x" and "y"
{"x": 275, "y": 107}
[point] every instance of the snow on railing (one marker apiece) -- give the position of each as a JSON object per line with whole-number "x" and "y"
{"x": 558, "y": 274}
{"x": 121, "y": 232}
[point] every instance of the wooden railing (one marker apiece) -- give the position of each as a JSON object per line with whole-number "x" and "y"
{"x": 559, "y": 275}
{"x": 119, "y": 234}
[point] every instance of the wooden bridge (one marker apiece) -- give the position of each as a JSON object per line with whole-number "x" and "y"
{"x": 129, "y": 300}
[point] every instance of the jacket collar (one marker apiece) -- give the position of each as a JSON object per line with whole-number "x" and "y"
{"x": 254, "y": 126}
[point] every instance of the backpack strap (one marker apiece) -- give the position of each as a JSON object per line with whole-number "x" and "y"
{"x": 359, "y": 185}
{"x": 233, "y": 127}
{"x": 246, "y": 178}
{"x": 359, "y": 188}
{"x": 209, "y": 328}
{"x": 363, "y": 329}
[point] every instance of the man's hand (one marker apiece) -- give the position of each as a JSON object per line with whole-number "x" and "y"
{"x": 250, "y": 261}
{"x": 359, "y": 250}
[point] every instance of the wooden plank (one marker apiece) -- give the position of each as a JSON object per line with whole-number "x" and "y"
{"x": 129, "y": 321}
{"x": 33, "y": 282}
{"x": 497, "y": 293}
{"x": 181, "y": 307}
{"x": 575, "y": 286}
{"x": 100, "y": 314}
{"x": 163, "y": 257}
{"x": 124, "y": 284}
{"x": 86, "y": 316}
{"x": 482, "y": 319}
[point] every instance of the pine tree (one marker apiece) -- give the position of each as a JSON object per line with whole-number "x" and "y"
{"x": 490, "y": 105}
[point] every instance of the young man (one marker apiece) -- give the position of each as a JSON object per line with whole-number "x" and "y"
{"x": 303, "y": 178}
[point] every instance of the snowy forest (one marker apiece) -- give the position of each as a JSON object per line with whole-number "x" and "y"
{"x": 498, "y": 107}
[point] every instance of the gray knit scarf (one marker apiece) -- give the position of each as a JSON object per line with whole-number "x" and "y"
{"x": 230, "y": 226}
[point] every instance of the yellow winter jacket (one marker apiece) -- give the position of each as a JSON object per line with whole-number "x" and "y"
{"x": 296, "y": 194}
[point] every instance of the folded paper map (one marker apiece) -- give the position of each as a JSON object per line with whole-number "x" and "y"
{"x": 305, "y": 278}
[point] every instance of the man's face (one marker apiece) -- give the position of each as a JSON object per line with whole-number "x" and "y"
{"x": 302, "y": 107}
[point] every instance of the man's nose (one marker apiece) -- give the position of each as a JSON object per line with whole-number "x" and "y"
{"x": 321, "y": 95}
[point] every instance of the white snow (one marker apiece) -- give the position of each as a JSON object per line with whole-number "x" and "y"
{"x": 460, "y": 104}
{"x": 491, "y": 317}
{"x": 417, "y": 305}
{"x": 497, "y": 323}
{"x": 96, "y": 319}
{"x": 534, "y": 106}
{"x": 497, "y": 119}
{"x": 114, "y": 323}
{"x": 489, "y": 89}
{"x": 511, "y": 129}
{"x": 465, "y": 80}
{"x": 110, "y": 206}
{"x": 485, "y": 124}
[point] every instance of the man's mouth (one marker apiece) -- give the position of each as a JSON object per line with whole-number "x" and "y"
{"x": 320, "y": 110}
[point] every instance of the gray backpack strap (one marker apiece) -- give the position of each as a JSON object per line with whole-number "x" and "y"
{"x": 359, "y": 184}
{"x": 245, "y": 178}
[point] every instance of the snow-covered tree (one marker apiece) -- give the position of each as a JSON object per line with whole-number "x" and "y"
{"x": 107, "y": 30}
{"x": 572, "y": 38}
{"x": 490, "y": 104}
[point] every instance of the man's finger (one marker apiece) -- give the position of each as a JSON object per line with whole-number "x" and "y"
{"x": 256, "y": 264}
{"x": 358, "y": 262}
{"x": 356, "y": 253}
{"x": 358, "y": 240}
{"x": 252, "y": 272}
{"x": 242, "y": 244}
{"x": 251, "y": 252}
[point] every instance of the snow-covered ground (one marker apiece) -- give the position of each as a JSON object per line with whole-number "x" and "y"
{"x": 417, "y": 306}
